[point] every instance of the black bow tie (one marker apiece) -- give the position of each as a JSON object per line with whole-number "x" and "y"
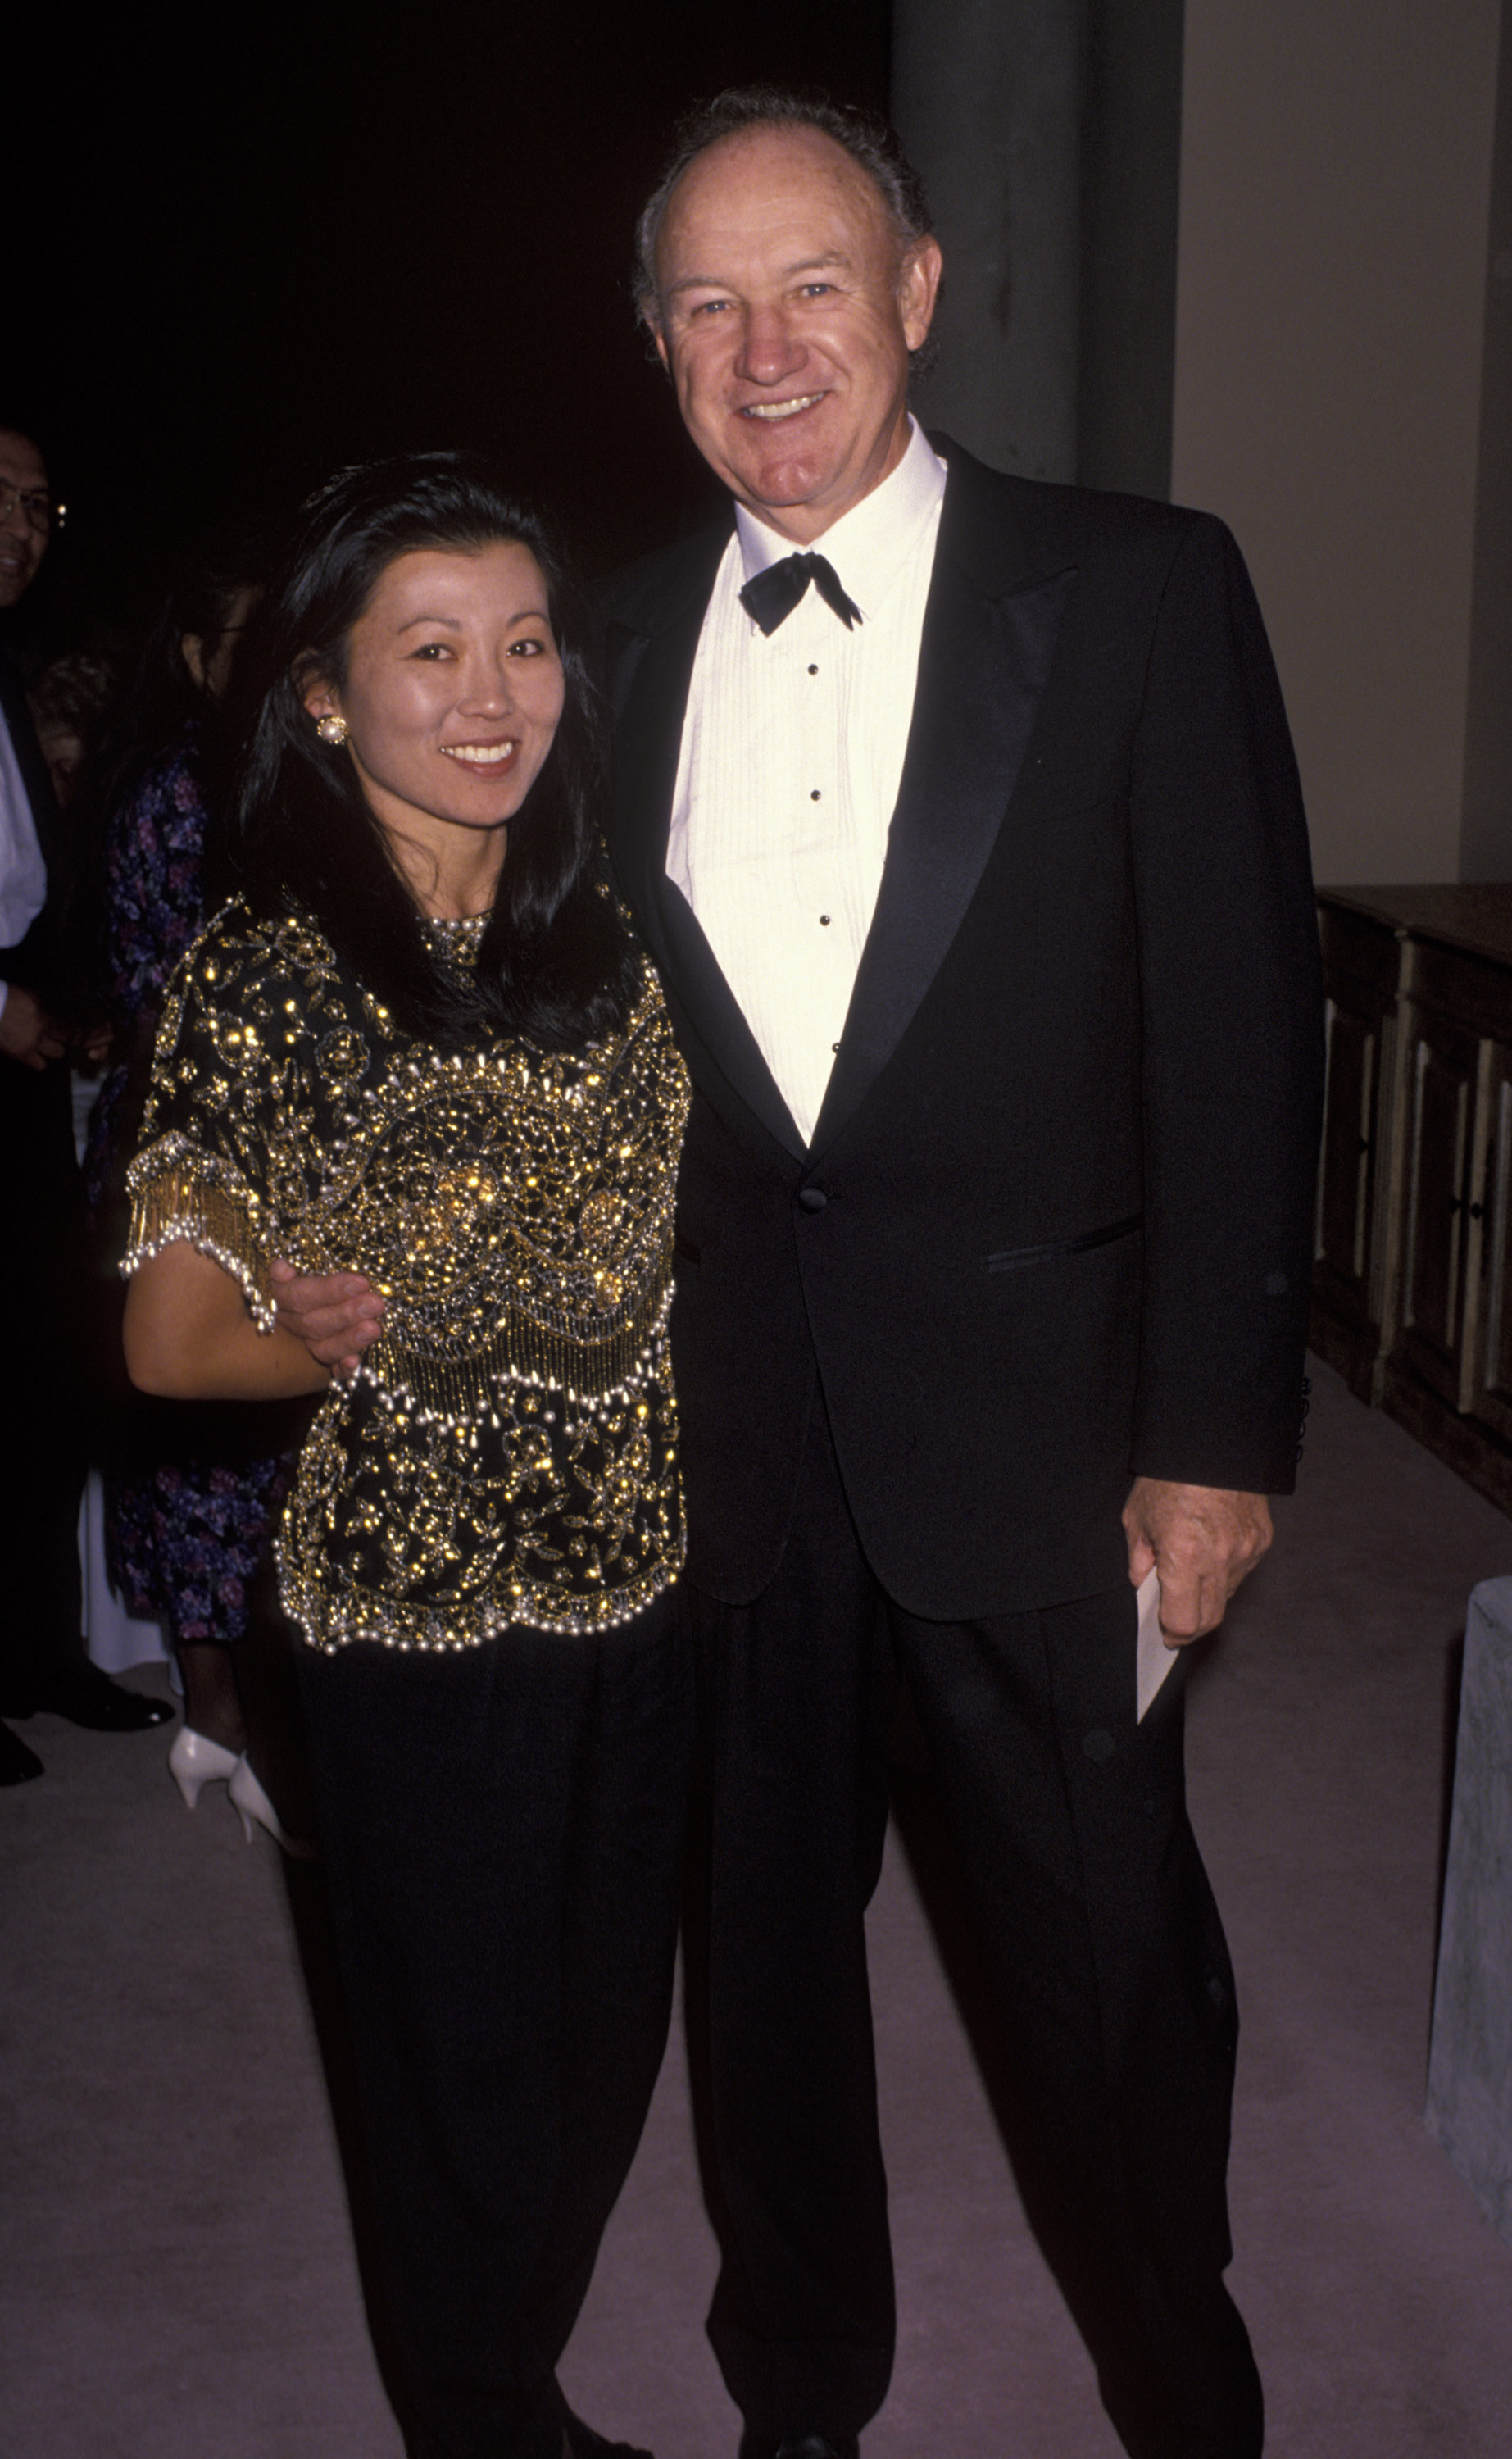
{"x": 771, "y": 597}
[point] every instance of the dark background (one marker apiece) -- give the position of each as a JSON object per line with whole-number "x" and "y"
{"x": 246, "y": 245}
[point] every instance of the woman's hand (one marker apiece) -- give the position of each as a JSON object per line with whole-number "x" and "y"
{"x": 189, "y": 1335}
{"x": 334, "y": 1314}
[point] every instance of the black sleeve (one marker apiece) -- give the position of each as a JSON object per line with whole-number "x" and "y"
{"x": 1232, "y": 1048}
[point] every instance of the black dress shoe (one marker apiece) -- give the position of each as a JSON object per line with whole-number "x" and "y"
{"x": 17, "y": 1764}
{"x": 92, "y": 1699}
{"x": 802, "y": 2445}
{"x": 585, "y": 2444}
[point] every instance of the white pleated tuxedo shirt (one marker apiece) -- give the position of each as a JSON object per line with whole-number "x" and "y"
{"x": 792, "y": 751}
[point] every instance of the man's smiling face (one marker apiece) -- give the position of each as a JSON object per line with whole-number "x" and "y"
{"x": 786, "y": 307}
{"x": 24, "y": 526}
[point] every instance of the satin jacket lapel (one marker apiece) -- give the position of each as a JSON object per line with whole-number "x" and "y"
{"x": 647, "y": 678}
{"x": 983, "y": 665}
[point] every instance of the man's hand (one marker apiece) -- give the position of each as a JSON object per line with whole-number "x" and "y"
{"x": 1203, "y": 1540}
{"x": 27, "y": 1032}
{"x": 335, "y": 1314}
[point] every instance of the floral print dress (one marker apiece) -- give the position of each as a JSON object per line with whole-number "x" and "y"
{"x": 191, "y": 1502}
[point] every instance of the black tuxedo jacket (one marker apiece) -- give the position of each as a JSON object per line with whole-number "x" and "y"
{"x": 1053, "y": 1227}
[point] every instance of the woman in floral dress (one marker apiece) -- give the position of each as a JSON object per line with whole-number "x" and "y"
{"x": 191, "y": 1495}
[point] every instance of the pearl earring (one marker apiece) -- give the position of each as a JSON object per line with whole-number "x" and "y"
{"x": 331, "y": 729}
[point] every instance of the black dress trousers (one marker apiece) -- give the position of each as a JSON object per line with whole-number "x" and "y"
{"x": 1111, "y": 1976}
{"x": 502, "y": 1830}
{"x": 44, "y": 1384}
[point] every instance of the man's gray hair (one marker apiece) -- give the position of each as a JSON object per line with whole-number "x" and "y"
{"x": 865, "y": 136}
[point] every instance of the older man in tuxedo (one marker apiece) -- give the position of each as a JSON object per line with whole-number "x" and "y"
{"x": 960, "y": 816}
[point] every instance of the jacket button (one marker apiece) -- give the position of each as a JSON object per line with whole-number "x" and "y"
{"x": 813, "y": 1199}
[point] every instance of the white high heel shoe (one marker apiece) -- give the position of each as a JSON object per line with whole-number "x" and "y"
{"x": 255, "y": 1810}
{"x": 196, "y": 1761}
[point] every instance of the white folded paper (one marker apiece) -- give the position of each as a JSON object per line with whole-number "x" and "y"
{"x": 1154, "y": 1658}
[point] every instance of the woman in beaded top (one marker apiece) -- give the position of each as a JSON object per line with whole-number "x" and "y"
{"x": 421, "y": 1046}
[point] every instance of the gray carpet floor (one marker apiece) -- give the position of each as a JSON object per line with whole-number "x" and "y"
{"x": 177, "y": 2262}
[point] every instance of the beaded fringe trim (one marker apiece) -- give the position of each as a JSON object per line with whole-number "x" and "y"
{"x": 178, "y": 1199}
{"x": 334, "y": 1617}
{"x": 456, "y": 1391}
{"x": 179, "y": 1203}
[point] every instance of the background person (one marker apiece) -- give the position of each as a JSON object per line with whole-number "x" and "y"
{"x": 71, "y": 703}
{"x": 191, "y": 1496}
{"x": 43, "y": 1383}
{"x": 423, "y": 1048}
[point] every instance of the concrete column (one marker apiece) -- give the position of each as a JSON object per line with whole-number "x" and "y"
{"x": 1131, "y": 186}
{"x": 987, "y": 97}
{"x": 1485, "y": 836}
{"x": 1332, "y": 320}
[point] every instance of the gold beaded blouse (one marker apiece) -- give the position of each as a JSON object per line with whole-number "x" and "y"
{"x": 508, "y": 1451}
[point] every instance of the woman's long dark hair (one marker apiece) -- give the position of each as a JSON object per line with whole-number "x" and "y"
{"x": 164, "y": 699}
{"x": 555, "y": 964}
{"x": 162, "y": 711}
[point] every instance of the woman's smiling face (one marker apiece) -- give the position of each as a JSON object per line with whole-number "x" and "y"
{"x": 452, "y": 691}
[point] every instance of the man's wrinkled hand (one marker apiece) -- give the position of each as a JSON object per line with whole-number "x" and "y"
{"x": 335, "y": 1314}
{"x": 1202, "y": 1540}
{"x": 27, "y": 1032}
